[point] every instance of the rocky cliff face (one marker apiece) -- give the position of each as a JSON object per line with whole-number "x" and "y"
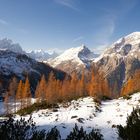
{"x": 120, "y": 60}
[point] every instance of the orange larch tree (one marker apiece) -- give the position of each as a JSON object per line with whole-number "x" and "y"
{"x": 19, "y": 93}
{"x": 27, "y": 92}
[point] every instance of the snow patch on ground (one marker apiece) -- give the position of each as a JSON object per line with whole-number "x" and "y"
{"x": 87, "y": 113}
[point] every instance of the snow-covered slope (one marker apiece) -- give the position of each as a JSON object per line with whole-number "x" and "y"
{"x": 7, "y": 44}
{"x": 41, "y": 55}
{"x": 128, "y": 46}
{"x": 77, "y": 57}
{"x": 20, "y": 65}
{"x": 87, "y": 113}
{"x": 15, "y": 63}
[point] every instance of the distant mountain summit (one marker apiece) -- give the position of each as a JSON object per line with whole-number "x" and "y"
{"x": 7, "y": 44}
{"x": 41, "y": 55}
{"x": 73, "y": 59}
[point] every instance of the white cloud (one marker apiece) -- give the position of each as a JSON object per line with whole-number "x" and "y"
{"x": 67, "y": 3}
{"x": 3, "y": 22}
{"x": 105, "y": 31}
{"x": 78, "y": 39}
{"x": 57, "y": 50}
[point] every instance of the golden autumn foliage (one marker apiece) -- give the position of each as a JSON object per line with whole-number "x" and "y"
{"x": 54, "y": 90}
{"x": 23, "y": 93}
{"x": 27, "y": 93}
{"x": 132, "y": 85}
{"x": 40, "y": 92}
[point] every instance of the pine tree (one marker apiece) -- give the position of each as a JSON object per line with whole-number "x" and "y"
{"x": 73, "y": 86}
{"x": 65, "y": 89}
{"x": 93, "y": 87}
{"x": 81, "y": 86}
{"x": 12, "y": 91}
{"x": 37, "y": 92}
{"x": 105, "y": 88}
{"x": 19, "y": 93}
{"x": 6, "y": 103}
{"x": 40, "y": 92}
{"x": 27, "y": 92}
{"x": 51, "y": 89}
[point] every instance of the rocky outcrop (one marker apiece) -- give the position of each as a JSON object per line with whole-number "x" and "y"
{"x": 120, "y": 60}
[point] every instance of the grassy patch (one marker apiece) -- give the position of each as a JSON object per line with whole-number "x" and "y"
{"x": 36, "y": 107}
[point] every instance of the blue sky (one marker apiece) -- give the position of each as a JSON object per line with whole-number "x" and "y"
{"x": 61, "y": 24}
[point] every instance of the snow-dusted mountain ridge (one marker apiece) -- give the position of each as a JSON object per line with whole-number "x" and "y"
{"x": 7, "y": 44}
{"x": 41, "y": 55}
{"x": 74, "y": 57}
{"x": 125, "y": 46}
{"x": 120, "y": 60}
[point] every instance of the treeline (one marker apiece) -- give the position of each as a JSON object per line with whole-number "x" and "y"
{"x": 53, "y": 90}
{"x": 18, "y": 95}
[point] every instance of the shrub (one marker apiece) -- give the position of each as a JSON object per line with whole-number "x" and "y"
{"x": 17, "y": 130}
{"x": 36, "y": 106}
{"x": 26, "y": 130}
{"x": 104, "y": 98}
{"x": 53, "y": 134}
{"x": 80, "y": 134}
{"x": 132, "y": 129}
{"x": 127, "y": 97}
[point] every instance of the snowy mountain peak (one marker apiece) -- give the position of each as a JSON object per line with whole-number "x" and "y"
{"x": 125, "y": 46}
{"x": 135, "y": 35}
{"x": 79, "y": 55}
{"x": 41, "y": 55}
{"x": 7, "y": 44}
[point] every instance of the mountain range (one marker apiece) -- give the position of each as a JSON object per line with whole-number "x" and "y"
{"x": 118, "y": 62}
{"x": 39, "y": 55}
{"x": 15, "y": 64}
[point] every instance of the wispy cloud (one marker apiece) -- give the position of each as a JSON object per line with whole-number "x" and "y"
{"x": 3, "y": 22}
{"x": 57, "y": 50}
{"x": 106, "y": 29}
{"x": 78, "y": 39}
{"x": 67, "y": 3}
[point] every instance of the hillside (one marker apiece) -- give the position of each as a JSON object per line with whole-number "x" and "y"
{"x": 120, "y": 60}
{"x": 20, "y": 65}
{"x": 87, "y": 113}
